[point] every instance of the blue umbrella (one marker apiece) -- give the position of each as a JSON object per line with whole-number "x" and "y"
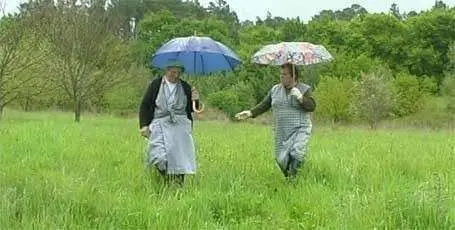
{"x": 199, "y": 55}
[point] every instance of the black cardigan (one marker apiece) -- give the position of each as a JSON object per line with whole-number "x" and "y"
{"x": 147, "y": 108}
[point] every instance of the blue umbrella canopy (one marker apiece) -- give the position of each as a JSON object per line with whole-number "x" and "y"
{"x": 199, "y": 55}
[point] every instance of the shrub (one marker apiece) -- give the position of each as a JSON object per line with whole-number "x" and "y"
{"x": 333, "y": 97}
{"x": 373, "y": 96}
{"x": 408, "y": 98}
{"x": 233, "y": 99}
{"x": 448, "y": 89}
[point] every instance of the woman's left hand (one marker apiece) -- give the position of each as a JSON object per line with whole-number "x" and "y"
{"x": 296, "y": 93}
{"x": 194, "y": 94}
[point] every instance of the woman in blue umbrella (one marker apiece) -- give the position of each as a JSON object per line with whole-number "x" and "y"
{"x": 292, "y": 103}
{"x": 165, "y": 118}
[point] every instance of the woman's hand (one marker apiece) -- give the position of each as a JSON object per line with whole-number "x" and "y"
{"x": 194, "y": 94}
{"x": 244, "y": 115}
{"x": 145, "y": 132}
{"x": 194, "y": 98}
{"x": 296, "y": 93}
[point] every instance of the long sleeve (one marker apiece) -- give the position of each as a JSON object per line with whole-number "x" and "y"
{"x": 263, "y": 106}
{"x": 145, "y": 111}
{"x": 189, "y": 108}
{"x": 308, "y": 103}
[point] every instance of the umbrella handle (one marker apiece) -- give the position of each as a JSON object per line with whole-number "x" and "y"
{"x": 196, "y": 110}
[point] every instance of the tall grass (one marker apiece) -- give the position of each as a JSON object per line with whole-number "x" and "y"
{"x": 58, "y": 174}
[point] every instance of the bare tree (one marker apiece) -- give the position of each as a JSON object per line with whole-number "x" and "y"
{"x": 19, "y": 51}
{"x": 373, "y": 100}
{"x": 88, "y": 58}
{"x": 3, "y": 7}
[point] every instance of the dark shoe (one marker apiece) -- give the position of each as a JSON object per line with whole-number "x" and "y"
{"x": 294, "y": 166}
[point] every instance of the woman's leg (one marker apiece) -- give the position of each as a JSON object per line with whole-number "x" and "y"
{"x": 178, "y": 178}
{"x": 294, "y": 166}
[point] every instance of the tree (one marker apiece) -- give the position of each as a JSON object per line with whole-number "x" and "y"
{"x": 2, "y": 8}
{"x": 448, "y": 84}
{"x": 88, "y": 58}
{"x": 124, "y": 12}
{"x": 386, "y": 38}
{"x": 412, "y": 14}
{"x": 395, "y": 11}
{"x": 428, "y": 49}
{"x": 408, "y": 95}
{"x": 448, "y": 90}
{"x": 292, "y": 30}
{"x": 439, "y": 5}
{"x": 346, "y": 14}
{"x": 19, "y": 51}
{"x": 222, "y": 11}
{"x": 157, "y": 28}
{"x": 154, "y": 30}
{"x": 334, "y": 98}
{"x": 351, "y": 12}
{"x": 373, "y": 100}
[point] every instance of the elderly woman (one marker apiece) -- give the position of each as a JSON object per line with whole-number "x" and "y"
{"x": 165, "y": 118}
{"x": 291, "y": 103}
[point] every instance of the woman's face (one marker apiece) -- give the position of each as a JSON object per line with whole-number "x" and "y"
{"x": 286, "y": 77}
{"x": 173, "y": 74}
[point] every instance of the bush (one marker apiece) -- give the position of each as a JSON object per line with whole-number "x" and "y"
{"x": 373, "y": 96}
{"x": 122, "y": 100}
{"x": 434, "y": 115}
{"x": 448, "y": 89}
{"x": 346, "y": 64}
{"x": 334, "y": 98}
{"x": 125, "y": 98}
{"x": 428, "y": 85}
{"x": 233, "y": 99}
{"x": 408, "y": 98}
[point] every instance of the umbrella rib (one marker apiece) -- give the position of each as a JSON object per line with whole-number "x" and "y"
{"x": 229, "y": 62}
{"x": 202, "y": 64}
{"x": 194, "y": 62}
{"x": 225, "y": 57}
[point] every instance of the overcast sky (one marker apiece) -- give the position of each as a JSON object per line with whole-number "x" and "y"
{"x": 249, "y": 9}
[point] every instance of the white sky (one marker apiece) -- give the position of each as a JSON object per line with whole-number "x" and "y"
{"x": 249, "y": 9}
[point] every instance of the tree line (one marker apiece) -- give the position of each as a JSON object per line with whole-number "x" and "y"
{"x": 95, "y": 55}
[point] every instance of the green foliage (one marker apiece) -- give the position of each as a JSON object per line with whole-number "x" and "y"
{"x": 334, "y": 98}
{"x": 448, "y": 89}
{"x": 434, "y": 115}
{"x": 87, "y": 57}
{"x": 349, "y": 66}
{"x": 96, "y": 38}
{"x": 448, "y": 84}
{"x": 408, "y": 97}
{"x": 20, "y": 55}
{"x": 385, "y": 38}
{"x": 432, "y": 35}
{"x": 124, "y": 99}
{"x": 428, "y": 85}
{"x": 373, "y": 98}
{"x": 232, "y": 100}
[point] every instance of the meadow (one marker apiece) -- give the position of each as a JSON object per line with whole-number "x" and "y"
{"x": 57, "y": 174}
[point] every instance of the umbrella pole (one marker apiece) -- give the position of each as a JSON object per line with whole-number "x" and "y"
{"x": 293, "y": 72}
{"x": 194, "y": 102}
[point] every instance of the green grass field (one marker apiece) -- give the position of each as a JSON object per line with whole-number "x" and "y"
{"x": 55, "y": 174}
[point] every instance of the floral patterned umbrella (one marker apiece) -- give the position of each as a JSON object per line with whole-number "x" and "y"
{"x": 297, "y": 53}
